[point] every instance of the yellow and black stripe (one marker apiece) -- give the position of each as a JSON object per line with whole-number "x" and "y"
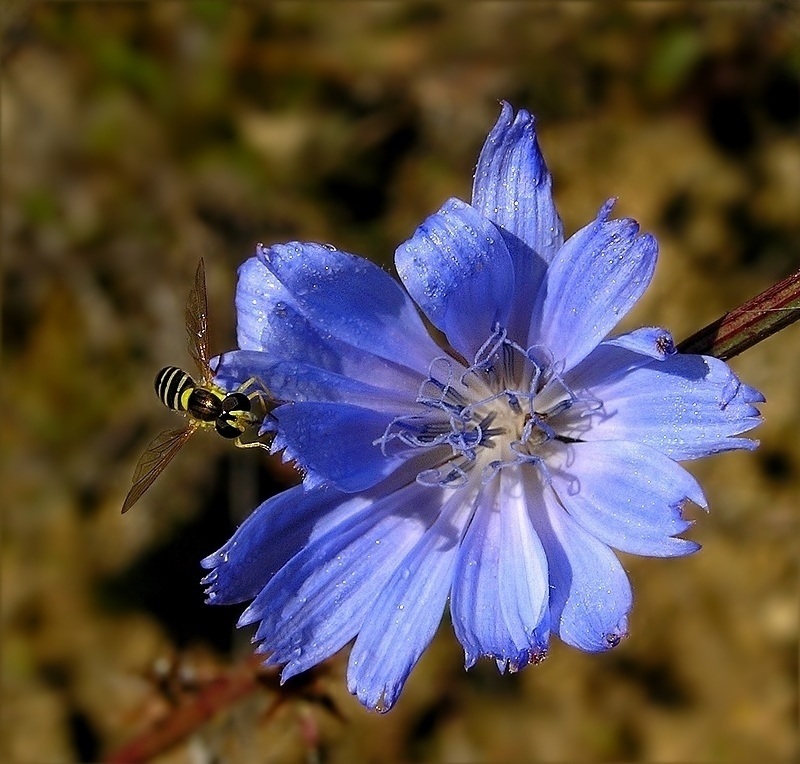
{"x": 205, "y": 403}
{"x": 173, "y": 387}
{"x": 235, "y": 415}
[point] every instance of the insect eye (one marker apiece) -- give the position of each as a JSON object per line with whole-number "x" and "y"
{"x": 236, "y": 402}
{"x": 227, "y": 430}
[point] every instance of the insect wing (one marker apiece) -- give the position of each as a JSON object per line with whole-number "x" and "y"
{"x": 157, "y": 456}
{"x": 197, "y": 322}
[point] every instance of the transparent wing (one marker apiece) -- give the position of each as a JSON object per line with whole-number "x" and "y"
{"x": 197, "y": 322}
{"x": 157, "y": 456}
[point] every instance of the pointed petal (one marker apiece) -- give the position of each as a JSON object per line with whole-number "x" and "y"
{"x": 403, "y": 620}
{"x": 341, "y": 297}
{"x": 593, "y": 281}
{"x": 686, "y": 406}
{"x": 318, "y": 601}
{"x": 513, "y": 187}
{"x": 335, "y": 442}
{"x": 264, "y": 542}
{"x": 457, "y": 268}
{"x": 590, "y": 593}
{"x": 499, "y": 602}
{"x": 627, "y": 495}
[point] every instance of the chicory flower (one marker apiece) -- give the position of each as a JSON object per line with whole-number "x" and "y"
{"x": 497, "y": 472}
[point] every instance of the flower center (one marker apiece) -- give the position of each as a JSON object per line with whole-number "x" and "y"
{"x": 497, "y": 412}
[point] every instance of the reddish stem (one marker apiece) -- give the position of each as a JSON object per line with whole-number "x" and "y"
{"x": 213, "y": 698}
{"x": 743, "y": 327}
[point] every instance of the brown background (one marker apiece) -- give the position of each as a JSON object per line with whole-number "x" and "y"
{"x": 137, "y": 138}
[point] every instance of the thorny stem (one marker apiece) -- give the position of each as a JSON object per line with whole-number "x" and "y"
{"x": 759, "y": 318}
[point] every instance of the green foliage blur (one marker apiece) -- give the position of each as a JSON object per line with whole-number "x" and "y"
{"x": 139, "y": 137}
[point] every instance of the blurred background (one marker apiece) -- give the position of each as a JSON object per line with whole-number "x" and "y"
{"x": 137, "y": 138}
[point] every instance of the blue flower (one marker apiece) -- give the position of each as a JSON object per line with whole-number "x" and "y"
{"x": 496, "y": 473}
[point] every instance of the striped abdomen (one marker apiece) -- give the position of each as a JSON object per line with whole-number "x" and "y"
{"x": 171, "y": 385}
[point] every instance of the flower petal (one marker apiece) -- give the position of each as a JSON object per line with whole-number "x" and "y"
{"x": 593, "y": 281}
{"x": 499, "y": 602}
{"x": 457, "y": 268}
{"x": 318, "y": 601}
{"x": 686, "y": 406}
{"x": 651, "y": 341}
{"x": 335, "y": 442}
{"x": 271, "y": 329}
{"x": 513, "y": 187}
{"x": 402, "y": 622}
{"x": 343, "y": 297}
{"x": 609, "y": 360}
{"x": 590, "y": 593}
{"x": 247, "y": 562}
{"x": 294, "y": 381}
{"x": 627, "y": 495}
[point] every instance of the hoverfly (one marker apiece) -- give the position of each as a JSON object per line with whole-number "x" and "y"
{"x": 206, "y": 405}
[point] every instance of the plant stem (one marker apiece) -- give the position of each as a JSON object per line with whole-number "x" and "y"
{"x": 759, "y": 318}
